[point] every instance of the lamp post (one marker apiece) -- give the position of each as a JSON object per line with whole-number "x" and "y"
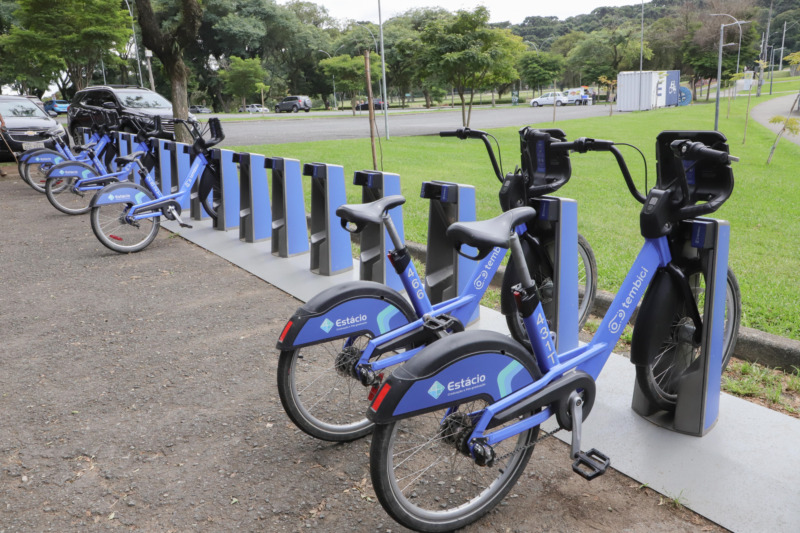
{"x": 783, "y": 41}
{"x": 135, "y": 44}
{"x": 333, "y": 78}
{"x": 719, "y": 58}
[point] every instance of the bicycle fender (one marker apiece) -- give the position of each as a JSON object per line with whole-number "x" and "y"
{"x": 347, "y": 309}
{"x": 123, "y": 192}
{"x": 72, "y": 169}
{"x": 50, "y": 156}
{"x": 652, "y": 324}
{"x": 463, "y": 367}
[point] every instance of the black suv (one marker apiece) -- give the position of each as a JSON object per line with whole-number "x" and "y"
{"x": 129, "y": 101}
{"x": 294, "y": 104}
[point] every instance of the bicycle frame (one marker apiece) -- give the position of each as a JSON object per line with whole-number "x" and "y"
{"x": 460, "y": 307}
{"x": 95, "y": 183}
{"x": 196, "y": 170}
{"x": 589, "y": 358}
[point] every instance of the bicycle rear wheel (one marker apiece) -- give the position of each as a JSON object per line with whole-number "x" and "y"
{"x": 542, "y": 271}
{"x": 319, "y": 392}
{"x": 426, "y": 483}
{"x": 665, "y": 335}
{"x": 114, "y": 232}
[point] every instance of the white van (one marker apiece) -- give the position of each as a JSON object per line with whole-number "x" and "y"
{"x": 574, "y": 96}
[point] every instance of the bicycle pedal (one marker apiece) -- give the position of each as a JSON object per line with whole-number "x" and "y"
{"x": 185, "y": 225}
{"x": 591, "y": 464}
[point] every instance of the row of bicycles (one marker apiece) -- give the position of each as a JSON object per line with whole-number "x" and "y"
{"x": 94, "y": 178}
{"x": 455, "y": 414}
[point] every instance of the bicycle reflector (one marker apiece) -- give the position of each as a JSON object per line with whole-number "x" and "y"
{"x": 381, "y": 395}
{"x": 285, "y": 331}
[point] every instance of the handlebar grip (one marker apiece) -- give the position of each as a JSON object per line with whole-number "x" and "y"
{"x": 464, "y": 133}
{"x": 684, "y": 149}
{"x": 448, "y": 134}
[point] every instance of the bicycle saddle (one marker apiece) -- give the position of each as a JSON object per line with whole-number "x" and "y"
{"x": 130, "y": 158}
{"x": 486, "y": 234}
{"x": 85, "y": 147}
{"x": 360, "y": 214}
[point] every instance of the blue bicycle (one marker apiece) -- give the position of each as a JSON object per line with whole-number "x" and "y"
{"x": 125, "y": 216}
{"x": 337, "y": 347}
{"x": 35, "y": 164}
{"x": 71, "y": 185}
{"x": 456, "y": 425}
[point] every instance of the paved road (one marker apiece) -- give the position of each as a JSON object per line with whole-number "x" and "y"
{"x": 343, "y": 125}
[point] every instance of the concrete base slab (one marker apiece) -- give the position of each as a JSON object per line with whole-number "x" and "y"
{"x": 743, "y": 475}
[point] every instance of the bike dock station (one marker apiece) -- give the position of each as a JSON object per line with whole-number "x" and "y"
{"x": 562, "y": 216}
{"x": 289, "y": 226}
{"x": 330, "y": 243}
{"x": 446, "y": 272}
{"x": 229, "y": 205}
{"x": 373, "y": 263}
{"x": 254, "y": 205}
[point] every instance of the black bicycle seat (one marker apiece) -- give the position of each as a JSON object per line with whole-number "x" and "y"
{"x": 360, "y": 214}
{"x": 486, "y": 234}
{"x": 85, "y": 147}
{"x": 130, "y": 158}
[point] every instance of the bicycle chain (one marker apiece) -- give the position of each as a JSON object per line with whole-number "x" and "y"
{"x": 531, "y": 445}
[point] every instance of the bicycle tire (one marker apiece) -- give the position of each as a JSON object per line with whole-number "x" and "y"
{"x": 62, "y": 196}
{"x": 664, "y": 336}
{"x": 447, "y": 490}
{"x": 35, "y": 174}
{"x": 324, "y": 402}
{"x": 111, "y": 229}
{"x": 587, "y": 287}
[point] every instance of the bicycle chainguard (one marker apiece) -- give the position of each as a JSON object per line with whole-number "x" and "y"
{"x": 593, "y": 463}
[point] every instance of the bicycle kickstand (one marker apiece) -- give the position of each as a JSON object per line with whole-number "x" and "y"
{"x": 593, "y": 463}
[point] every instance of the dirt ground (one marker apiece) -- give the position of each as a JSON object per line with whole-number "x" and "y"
{"x": 139, "y": 394}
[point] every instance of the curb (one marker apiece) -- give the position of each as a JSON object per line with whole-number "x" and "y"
{"x": 751, "y": 344}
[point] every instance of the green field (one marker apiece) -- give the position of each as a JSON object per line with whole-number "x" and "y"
{"x": 763, "y": 210}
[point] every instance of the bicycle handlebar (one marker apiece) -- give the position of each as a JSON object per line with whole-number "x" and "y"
{"x": 467, "y": 133}
{"x": 687, "y": 150}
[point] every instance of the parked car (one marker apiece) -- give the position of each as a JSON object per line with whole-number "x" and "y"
{"x": 549, "y": 98}
{"x": 376, "y": 104}
{"x": 59, "y": 106}
{"x": 252, "y": 108}
{"x": 294, "y": 104}
{"x": 199, "y": 109}
{"x": 28, "y": 126}
{"x": 128, "y": 101}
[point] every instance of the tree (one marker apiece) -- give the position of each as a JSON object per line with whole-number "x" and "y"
{"x": 540, "y": 68}
{"x": 466, "y": 53}
{"x": 168, "y": 39}
{"x": 63, "y": 36}
{"x": 350, "y": 73}
{"x": 242, "y": 77}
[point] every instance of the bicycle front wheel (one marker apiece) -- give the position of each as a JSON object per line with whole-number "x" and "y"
{"x": 671, "y": 331}
{"x": 114, "y": 232}
{"x": 35, "y": 174}
{"x": 319, "y": 391}
{"x": 426, "y": 483}
{"x": 61, "y": 194}
{"x": 542, "y": 271}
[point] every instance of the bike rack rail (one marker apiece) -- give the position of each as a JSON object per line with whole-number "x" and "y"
{"x": 446, "y": 272}
{"x": 330, "y": 243}
{"x": 289, "y": 226}
{"x": 180, "y": 163}
{"x": 228, "y": 216}
{"x": 254, "y": 208}
{"x": 373, "y": 262}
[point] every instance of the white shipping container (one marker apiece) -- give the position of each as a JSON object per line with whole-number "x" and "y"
{"x": 637, "y": 91}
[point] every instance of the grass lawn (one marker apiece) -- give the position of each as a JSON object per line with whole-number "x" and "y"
{"x": 763, "y": 210}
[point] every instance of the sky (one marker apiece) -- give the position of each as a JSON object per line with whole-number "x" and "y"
{"x": 513, "y": 11}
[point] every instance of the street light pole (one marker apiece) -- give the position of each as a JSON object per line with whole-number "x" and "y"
{"x": 783, "y": 41}
{"x": 736, "y": 22}
{"x": 135, "y": 44}
{"x": 333, "y": 78}
{"x": 383, "y": 73}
